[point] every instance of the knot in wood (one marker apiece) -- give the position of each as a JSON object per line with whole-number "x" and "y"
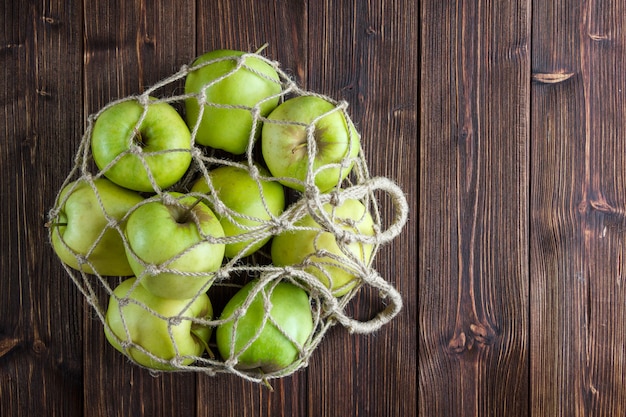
{"x": 39, "y": 346}
{"x": 551, "y": 77}
{"x": 477, "y": 334}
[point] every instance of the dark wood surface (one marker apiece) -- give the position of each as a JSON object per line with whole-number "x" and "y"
{"x": 521, "y": 293}
{"x": 62, "y": 61}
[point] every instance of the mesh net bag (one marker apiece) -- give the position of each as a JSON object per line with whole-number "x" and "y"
{"x": 290, "y": 303}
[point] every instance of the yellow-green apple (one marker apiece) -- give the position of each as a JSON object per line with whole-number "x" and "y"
{"x": 257, "y": 340}
{"x": 249, "y": 204}
{"x": 173, "y": 245}
{"x": 225, "y": 120}
{"x": 85, "y": 226}
{"x": 133, "y": 148}
{"x": 140, "y": 326}
{"x": 328, "y": 152}
{"x": 315, "y": 248}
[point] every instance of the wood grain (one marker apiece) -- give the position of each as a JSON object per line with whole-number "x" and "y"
{"x": 473, "y": 287}
{"x": 62, "y": 61}
{"x": 42, "y": 349}
{"x": 577, "y": 208}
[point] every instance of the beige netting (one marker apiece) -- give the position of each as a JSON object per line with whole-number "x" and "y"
{"x": 327, "y": 309}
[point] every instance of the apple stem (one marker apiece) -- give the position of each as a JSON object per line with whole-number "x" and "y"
{"x": 265, "y": 45}
{"x": 186, "y": 214}
{"x": 138, "y": 139}
{"x": 267, "y": 385}
{"x": 298, "y": 147}
{"x": 203, "y": 343}
{"x": 49, "y": 225}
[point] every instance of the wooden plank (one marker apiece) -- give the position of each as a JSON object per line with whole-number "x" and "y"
{"x": 40, "y": 343}
{"x": 577, "y": 205}
{"x": 248, "y": 25}
{"x": 130, "y": 45}
{"x": 54, "y": 358}
{"x": 473, "y": 280}
{"x": 366, "y": 54}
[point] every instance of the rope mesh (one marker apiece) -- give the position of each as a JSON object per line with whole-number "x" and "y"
{"x": 309, "y": 202}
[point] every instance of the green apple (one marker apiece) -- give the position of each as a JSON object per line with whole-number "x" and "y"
{"x": 125, "y": 141}
{"x": 249, "y": 203}
{"x": 314, "y": 247}
{"x": 226, "y": 84}
{"x": 172, "y": 247}
{"x": 142, "y": 322}
{"x": 84, "y": 226}
{"x": 253, "y": 338}
{"x": 286, "y": 143}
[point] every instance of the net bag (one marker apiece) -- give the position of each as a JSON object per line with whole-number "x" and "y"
{"x": 258, "y": 276}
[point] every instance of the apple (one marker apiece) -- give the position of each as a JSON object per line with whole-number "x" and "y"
{"x": 153, "y": 340}
{"x": 172, "y": 246}
{"x": 84, "y": 226}
{"x": 253, "y": 338}
{"x": 132, "y": 151}
{"x": 249, "y": 204}
{"x": 313, "y": 247}
{"x": 227, "y": 84}
{"x": 285, "y": 143}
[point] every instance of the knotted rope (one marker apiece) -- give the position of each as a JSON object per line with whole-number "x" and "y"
{"x": 328, "y": 310}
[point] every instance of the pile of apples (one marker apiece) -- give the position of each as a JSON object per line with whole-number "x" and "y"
{"x": 239, "y": 177}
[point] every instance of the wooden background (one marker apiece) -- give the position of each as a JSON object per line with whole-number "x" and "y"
{"x": 522, "y": 299}
{"x": 63, "y": 60}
